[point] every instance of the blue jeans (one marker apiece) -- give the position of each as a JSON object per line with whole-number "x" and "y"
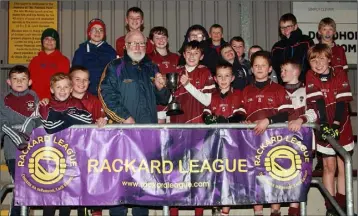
{"x": 15, "y": 210}
{"x": 122, "y": 210}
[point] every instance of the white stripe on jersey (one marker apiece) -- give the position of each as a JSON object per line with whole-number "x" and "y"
{"x": 345, "y": 94}
{"x": 54, "y": 126}
{"x": 345, "y": 67}
{"x": 208, "y": 87}
{"x": 207, "y": 110}
{"x": 331, "y": 151}
{"x": 14, "y": 137}
{"x": 318, "y": 93}
{"x": 285, "y": 106}
{"x": 239, "y": 110}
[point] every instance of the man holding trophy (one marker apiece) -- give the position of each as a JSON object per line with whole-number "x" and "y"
{"x": 131, "y": 86}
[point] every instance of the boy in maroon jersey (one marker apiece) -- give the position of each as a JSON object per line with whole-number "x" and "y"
{"x": 329, "y": 92}
{"x": 134, "y": 21}
{"x": 166, "y": 60}
{"x": 80, "y": 81}
{"x": 195, "y": 87}
{"x": 226, "y": 102}
{"x": 326, "y": 32}
{"x": 193, "y": 93}
{"x": 264, "y": 103}
{"x": 290, "y": 72}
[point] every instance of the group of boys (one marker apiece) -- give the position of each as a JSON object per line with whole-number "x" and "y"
{"x": 321, "y": 96}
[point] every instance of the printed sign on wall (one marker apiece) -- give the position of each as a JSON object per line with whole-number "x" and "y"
{"x": 309, "y": 14}
{"x": 27, "y": 21}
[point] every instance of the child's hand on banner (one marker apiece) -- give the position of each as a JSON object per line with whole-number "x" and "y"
{"x": 261, "y": 126}
{"x": 101, "y": 122}
{"x": 295, "y": 125}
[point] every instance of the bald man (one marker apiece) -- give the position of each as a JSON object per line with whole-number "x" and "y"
{"x": 129, "y": 89}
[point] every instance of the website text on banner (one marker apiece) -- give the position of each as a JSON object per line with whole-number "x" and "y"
{"x": 161, "y": 167}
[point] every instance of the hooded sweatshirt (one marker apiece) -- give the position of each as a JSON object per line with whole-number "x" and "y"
{"x": 210, "y": 55}
{"x": 42, "y": 67}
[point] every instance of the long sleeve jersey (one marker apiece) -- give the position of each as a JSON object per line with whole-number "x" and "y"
{"x": 17, "y": 115}
{"x": 59, "y": 115}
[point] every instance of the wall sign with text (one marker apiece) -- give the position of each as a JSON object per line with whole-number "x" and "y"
{"x": 309, "y": 14}
{"x": 27, "y": 21}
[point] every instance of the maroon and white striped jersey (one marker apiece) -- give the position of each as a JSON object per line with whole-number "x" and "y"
{"x": 298, "y": 98}
{"x": 201, "y": 82}
{"x": 333, "y": 89}
{"x": 262, "y": 103}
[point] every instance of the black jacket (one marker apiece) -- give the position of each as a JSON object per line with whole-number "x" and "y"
{"x": 126, "y": 90}
{"x": 210, "y": 55}
{"x": 222, "y": 43}
{"x": 295, "y": 47}
{"x": 241, "y": 73}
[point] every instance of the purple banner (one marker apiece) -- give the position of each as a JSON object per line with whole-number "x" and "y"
{"x": 175, "y": 167}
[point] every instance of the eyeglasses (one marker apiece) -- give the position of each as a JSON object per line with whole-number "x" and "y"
{"x": 196, "y": 35}
{"x": 94, "y": 30}
{"x": 134, "y": 44}
{"x": 286, "y": 27}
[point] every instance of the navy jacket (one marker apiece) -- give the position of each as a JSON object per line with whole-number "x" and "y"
{"x": 94, "y": 58}
{"x": 127, "y": 90}
{"x": 295, "y": 47}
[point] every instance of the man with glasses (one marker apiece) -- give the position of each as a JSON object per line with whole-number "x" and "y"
{"x": 293, "y": 45}
{"x": 129, "y": 90}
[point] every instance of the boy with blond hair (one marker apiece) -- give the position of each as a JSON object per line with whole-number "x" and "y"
{"x": 326, "y": 32}
{"x": 328, "y": 91}
{"x": 63, "y": 110}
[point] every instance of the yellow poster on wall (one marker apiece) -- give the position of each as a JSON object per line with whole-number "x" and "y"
{"x": 27, "y": 21}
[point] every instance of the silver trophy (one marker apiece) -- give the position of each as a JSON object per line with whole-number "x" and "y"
{"x": 172, "y": 85}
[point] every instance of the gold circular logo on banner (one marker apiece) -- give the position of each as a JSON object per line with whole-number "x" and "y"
{"x": 276, "y": 170}
{"x": 55, "y": 162}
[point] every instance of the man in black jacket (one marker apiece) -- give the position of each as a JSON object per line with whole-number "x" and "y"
{"x": 293, "y": 45}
